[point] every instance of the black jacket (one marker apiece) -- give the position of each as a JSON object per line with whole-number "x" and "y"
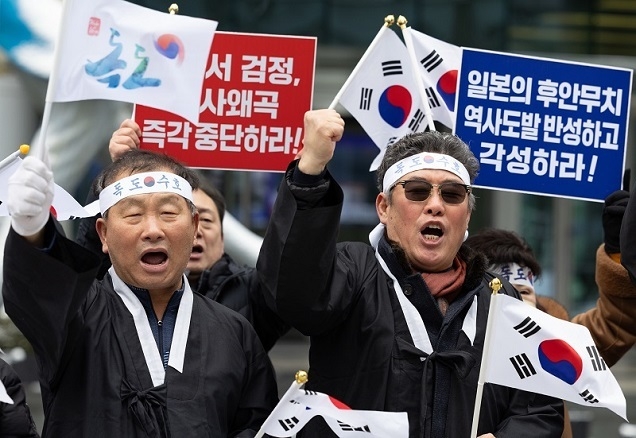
{"x": 15, "y": 419}
{"x": 238, "y": 287}
{"x": 93, "y": 373}
{"x": 361, "y": 351}
{"x": 235, "y": 286}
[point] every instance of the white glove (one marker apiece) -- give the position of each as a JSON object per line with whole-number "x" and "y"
{"x": 30, "y": 196}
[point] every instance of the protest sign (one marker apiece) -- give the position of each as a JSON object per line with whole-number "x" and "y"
{"x": 256, "y": 90}
{"x": 544, "y": 126}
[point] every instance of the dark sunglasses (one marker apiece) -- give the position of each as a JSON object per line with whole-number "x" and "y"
{"x": 418, "y": 190}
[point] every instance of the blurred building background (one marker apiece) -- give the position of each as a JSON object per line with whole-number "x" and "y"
{"x": 564, "y": 233}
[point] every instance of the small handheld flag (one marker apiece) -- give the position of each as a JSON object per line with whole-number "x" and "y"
{"x": 298, "y": 406}
{"x": 382, "y": 93}
{"x": 439, "y": 63}
{"x": 531, "y": 350}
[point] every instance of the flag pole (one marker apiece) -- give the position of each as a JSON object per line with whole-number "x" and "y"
{"x": 23, "y": 150}
{"x": 495, "y": 285}
{"x": 408, "y": 40}
{"x": 299, "y": 380}
{"x": 40, "y": 147}
{"x": 388, "y": 21}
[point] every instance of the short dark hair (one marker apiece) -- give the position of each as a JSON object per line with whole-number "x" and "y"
{"x": 503, "y": 246}
{"x": 215, "y": 194}
{"x": 430, "y": 141}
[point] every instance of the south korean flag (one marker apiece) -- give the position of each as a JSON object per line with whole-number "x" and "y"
{"x": 439, "y": 65}
{"x": 298, "y": 406}
{"x": 533, "y": 351}
{"x": 382, "y": 92}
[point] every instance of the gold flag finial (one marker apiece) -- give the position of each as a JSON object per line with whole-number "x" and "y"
{"x": 173, "y": 9}
{"x": 389, "y": 20}
{"x": 495, "y": 285}
{"x": 301, "y": 377}
{"x": 401, "y": 21}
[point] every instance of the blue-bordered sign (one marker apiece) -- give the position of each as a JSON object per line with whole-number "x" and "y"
{"x": 544, "y": 126}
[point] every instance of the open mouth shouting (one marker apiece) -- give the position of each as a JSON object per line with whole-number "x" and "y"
{"x": 432, "y": 232}
{"x": 155, "y": 258}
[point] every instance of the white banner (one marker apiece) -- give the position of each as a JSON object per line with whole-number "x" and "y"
{"x": 115, "y": 50}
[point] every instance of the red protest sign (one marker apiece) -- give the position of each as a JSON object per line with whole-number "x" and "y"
{"x": 256, "y": 90}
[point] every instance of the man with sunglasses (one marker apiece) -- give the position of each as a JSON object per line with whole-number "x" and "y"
{"x": 398, "y": 325}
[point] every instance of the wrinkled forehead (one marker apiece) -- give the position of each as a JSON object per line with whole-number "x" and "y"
{"x": 431, "y": 176}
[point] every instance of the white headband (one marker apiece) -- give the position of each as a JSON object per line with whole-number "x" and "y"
{"x": 142, "y": 183}
{"x": 515, "y": 274}
{"x": 423, "y": 160}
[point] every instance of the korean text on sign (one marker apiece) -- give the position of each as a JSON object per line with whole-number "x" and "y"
{"x": 544, "y": 126}
{"x": 255, "y": 93}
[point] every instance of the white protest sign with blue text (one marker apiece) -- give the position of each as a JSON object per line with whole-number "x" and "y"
{"x": 544, "y": 126}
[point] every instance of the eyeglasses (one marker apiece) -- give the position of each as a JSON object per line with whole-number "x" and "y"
{"x": 419, "y": 190}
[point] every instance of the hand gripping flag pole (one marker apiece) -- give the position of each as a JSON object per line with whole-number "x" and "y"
{"x": 495, "y": 285}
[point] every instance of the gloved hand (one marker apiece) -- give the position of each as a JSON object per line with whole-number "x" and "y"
{"x": 30, "y": 196}
{"x": 613, "y": 212}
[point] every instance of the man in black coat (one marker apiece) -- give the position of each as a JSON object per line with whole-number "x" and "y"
{"x": 397, "y": 325}
{"x": 210, "y": 270}
{"x": 137, "y": 353}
